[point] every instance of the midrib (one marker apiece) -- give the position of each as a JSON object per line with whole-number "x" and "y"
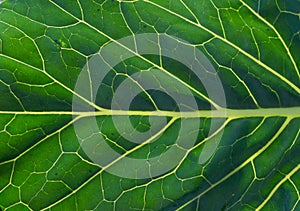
{"x": 225, "y": 113}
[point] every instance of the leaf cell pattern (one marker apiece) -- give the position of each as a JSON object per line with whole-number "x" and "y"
{"x": 254, "y": 47}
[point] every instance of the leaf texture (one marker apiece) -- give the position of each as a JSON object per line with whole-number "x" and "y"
{"x": 254, "y": 46}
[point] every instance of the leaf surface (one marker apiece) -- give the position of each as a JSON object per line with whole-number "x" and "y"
{"x": 254, "y": 46}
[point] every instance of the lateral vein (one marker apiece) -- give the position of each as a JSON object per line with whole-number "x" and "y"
{"x": 292, "y": 85}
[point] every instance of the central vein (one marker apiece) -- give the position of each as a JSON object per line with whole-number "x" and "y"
{"x": 221, "y": 113}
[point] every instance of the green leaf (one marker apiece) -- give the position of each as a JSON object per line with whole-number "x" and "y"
{"x": 69, "y": 141}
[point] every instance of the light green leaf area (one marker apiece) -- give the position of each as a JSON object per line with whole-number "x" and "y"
{"x": 254, "y": 47}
